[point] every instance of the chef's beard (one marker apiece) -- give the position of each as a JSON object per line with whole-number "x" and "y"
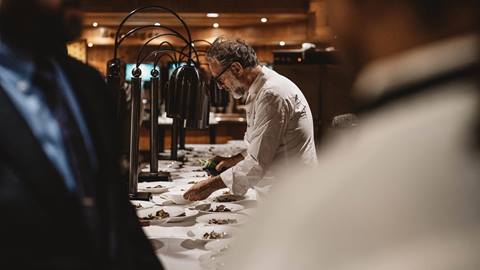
{"x": 236, "y": 94}
{"x": 237, "y": 90}
{"x": 28, "y": 26}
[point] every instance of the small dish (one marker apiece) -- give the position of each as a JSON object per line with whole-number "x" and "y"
{"x": 219, "y": 208}
{"x": 176, "y": 197}
{"x": 222, "y": 219}
{"x": 209, "y": 233}
{"x": 226, "y": 198}
{"x": 160, "y": 215}
{"x": 142, "y": 204}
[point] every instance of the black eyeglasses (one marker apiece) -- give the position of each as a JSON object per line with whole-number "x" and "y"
{"x": 221, "y": 73}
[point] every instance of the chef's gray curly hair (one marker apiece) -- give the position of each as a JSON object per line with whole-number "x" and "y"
{"x": 228, "y": 51}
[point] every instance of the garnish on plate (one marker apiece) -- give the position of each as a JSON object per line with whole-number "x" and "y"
{"x": 221, "y": 208}
{"x": 213, "y": 235}
{"x": 161, "y": 214}
{"x": 222, "y": 221}
{"x": 228, "y": 198}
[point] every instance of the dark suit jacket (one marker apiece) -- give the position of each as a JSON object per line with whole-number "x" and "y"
{"x": 41, "y": 226}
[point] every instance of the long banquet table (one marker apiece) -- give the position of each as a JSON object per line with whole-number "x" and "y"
{"x": 172, "y": 241}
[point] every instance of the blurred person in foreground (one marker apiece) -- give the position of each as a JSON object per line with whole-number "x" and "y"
{"x": 60, "y": 200}
{"x": 279, "y": 122}
{"x": 402, "y": 190}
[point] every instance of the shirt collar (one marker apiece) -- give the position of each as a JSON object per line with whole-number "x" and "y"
{"x": 17, "y": 62}
{"x": 416, "y": 65}
{"x": 256, "y": 85}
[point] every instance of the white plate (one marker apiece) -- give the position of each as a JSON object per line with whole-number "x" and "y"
{"x": 154, "y": 190}
{"x": 142, "y": 204}
{"x": 188, "y": 214}
{"x": 205, "y": 219}
{"x": 180, "y": 188}
{"x": 176, "y": 197}
{"x": 197, "y": 233}
{"x": 191, "y": 174}
{"x": 189, "y": 181}
{"x": 219, "y": 245}
{"x": 165, "y": 184}
{"x": 206, "y": 207}
{"x": 190, "y": 169}
{"x": 174, "y": 212}
{"x": 236, "y": 198}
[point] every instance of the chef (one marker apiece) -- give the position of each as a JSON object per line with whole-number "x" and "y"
{"x": 279, "y": 121}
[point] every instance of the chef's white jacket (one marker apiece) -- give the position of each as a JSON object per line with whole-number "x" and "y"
{"x": 279, "y": 132}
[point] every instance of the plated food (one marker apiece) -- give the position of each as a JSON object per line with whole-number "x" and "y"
{"x": 208, "y": 233}
{"x": 213, "y": 235}
{"x": 230, "y": 219}
{"x": 222, "y": 221}
{"x": 228, "y": 198}
{"x": 155, "y": 189}
{"x": 161, "y": 215}
{"x": 142, "y": 204}
{"x": 219, "y": 207}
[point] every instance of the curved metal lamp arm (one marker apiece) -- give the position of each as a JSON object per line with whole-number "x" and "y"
{"x": 158, "y": 51}
{"x": 197, "y": 54}
{"x": 136, "y": 29}
{"x": 174, "y": 34}
{"x": 193, "y": 42}
{"x": 159, "y": 46}
{"x": 171, "y": 47}
{"x": 117, "y": 35}
{"x": 159, "y": 56}
{"x": 164, "y": 42}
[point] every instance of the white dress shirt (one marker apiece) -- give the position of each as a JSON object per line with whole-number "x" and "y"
{"x": 400, "y": 191}
{"x": 279, "y": 132}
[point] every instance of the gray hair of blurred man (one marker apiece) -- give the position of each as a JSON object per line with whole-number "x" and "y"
{"x": 227, "y": 51}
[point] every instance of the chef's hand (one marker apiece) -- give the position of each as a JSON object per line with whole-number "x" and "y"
{"x": 201, "y": 190}
{"x": 225, "y": 163}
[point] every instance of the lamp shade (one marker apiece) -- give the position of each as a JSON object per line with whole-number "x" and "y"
{"x": 200, "y": 112}
{"x": 170, "y": 99}
{"x": 187, "y": 96}
{"x": 218, "y": 97}
{"x": 184, "y": 87}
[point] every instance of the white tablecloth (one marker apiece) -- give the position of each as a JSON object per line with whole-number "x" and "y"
{"x": 176, "y": 250}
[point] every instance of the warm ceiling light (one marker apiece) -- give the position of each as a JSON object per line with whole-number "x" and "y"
{"x": 213, "y": 15}
{"x": 264, "y": 20}
{"x": 216, "y": 25}
{"x": 95, "y": 24}
{"x": 157, "y": 24}
{"x": 282, "y": 43}
{"x": 90, "y": 44}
